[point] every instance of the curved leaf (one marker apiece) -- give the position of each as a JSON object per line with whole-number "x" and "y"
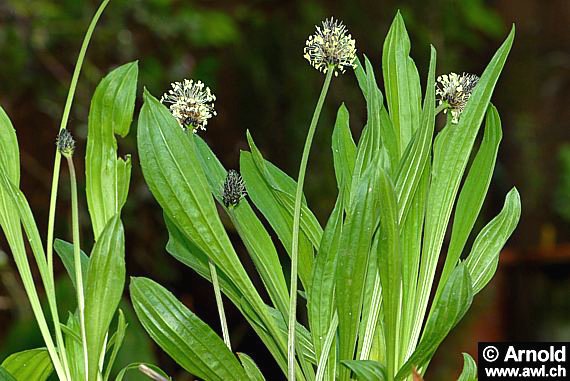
{"x": 473, "y": 191}
{"x": 107, "y": 177}
{"x": 448, "y": 310}
{"x": 250, "y": 367}
{"x": 484, "y": 257}
{"x": 33, "y": 364}
{"x": 469, "y": 372}
{"x": 181, "y": 334}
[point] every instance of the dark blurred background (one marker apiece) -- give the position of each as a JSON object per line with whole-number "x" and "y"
{"x": 250, "y": 54}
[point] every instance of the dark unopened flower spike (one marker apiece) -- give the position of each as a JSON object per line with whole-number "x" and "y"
{"x": 456, "y": 90}
{"x": 331, "y": 46}
{"x": 191, "y": 103}
{"x": 233, "y": 189}
{"x": 65, "y": 143}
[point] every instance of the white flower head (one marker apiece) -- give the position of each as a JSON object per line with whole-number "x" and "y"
{"x": 455, "y": 89}
{"x": 191, "y": 103}
{"x": 331, "y": 45}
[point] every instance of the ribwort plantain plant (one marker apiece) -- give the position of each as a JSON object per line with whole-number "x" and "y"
{"x": 368, "y": 274}
{"x": 85, "y": 346}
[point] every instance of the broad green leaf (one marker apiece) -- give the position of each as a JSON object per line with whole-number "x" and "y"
{"x": 175, "y": 177}
{"x": 366, "y": 370}
{"x": 5, "y": 375}
{"x": 473, "y": 191}
{"x": 402, "y": 82}
{"x": 103, "y": 289}
{"x": 469, "y": 372}
{"x": 254, "y": 235}
{"x": 344, "y": 152}
{"x": 448, "y": 310}
{"x": 415, "y": 159}
{"x": 356, "y": 240}
{"x": 484, "y": 257}
{"x": 280, "y": 220}
{"x": 390, "y": 267}
{"x": 33, "y": 364}
{"x": 65, "y": 252}
{"x": 107, "y": 177}
{"x": 452, "y": 149}
{"x": 181, "y": 334}
{"x": 321, "y": 296}
{"x": 253, "y": 372}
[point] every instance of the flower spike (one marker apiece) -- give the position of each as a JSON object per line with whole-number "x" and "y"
{"x": 331, "y": 47}
{"x": 456, "y": 90}
{"x": 191, "y": 103}
{"x": 234, "y": 189}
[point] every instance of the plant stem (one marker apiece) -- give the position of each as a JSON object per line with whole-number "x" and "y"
{"x": 57, "y": 166}
{"x": 296, "y": 226}
{"x": 220, "y": 305}
{"x": 77, "y": 260}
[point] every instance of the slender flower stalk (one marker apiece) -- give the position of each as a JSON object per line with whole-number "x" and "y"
{"x": 66, "y": 147}
{"x": 296, "y": 226}
{"x": 55, "y": 176}
{"x": 330, "y": 50}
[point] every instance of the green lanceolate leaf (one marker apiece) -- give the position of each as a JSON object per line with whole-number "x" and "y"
{"x": 473, "y": 191}
{"x": 402, "y": 82}
{"x": 321, "y": 296}
{"x": 181, "y": 334}
{"x": 280, "y": 220}
{"x": 103, "y": 288}
{"x": 484, "y": 257}
{"x": 469, "y": 372}
{"x": 175, "y": 176}
{"x": 65, "y": 252}
{"x": 378, "y": 117}
{"x": 344, "y": 152}
{"x": 415, "y": 159}
{"x": 250, "y": 368}
{"x": 354, "y": 252}
{"x": 33, "y": 364}
{"x": 390, "y": 268}
{"x": 452, "y": 149}
{"x": 448, "y": 310}
{"x": 107, "y": 177}
{"x": 254, "y": 235}
{"x": 366, "y": 370}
